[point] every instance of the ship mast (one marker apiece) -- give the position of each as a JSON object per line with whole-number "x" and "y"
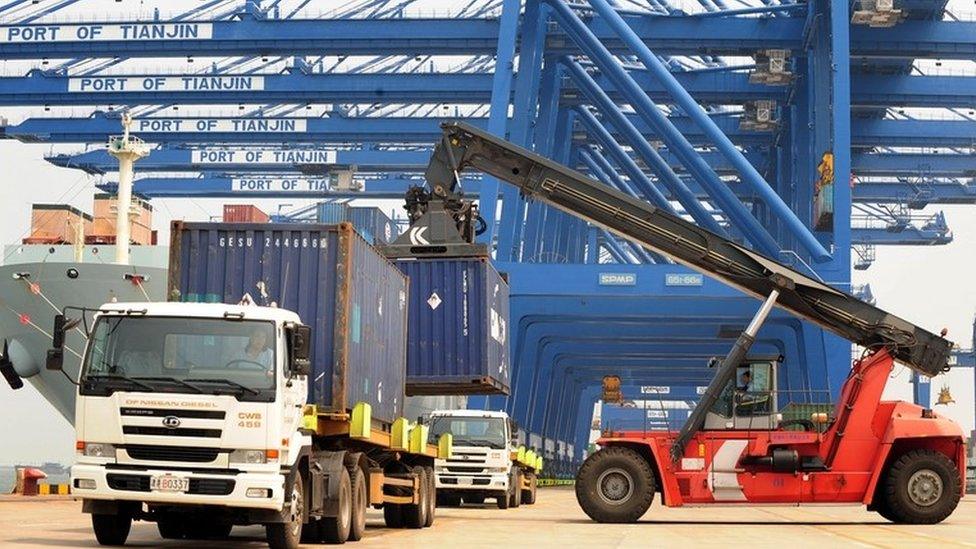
{"x": 127, "y": 149}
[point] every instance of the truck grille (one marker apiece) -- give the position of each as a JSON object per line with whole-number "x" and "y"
{"x": 476, "y": 469}
{"x": 157, "y": 412}
{"x": 198, "y": 486}
{"x": 167, "y": 432}
{"x": 172, "y": 453}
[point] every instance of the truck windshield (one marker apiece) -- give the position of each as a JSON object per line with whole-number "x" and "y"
{"x": 471, "y": 431}
{"x": 185, "y": 355}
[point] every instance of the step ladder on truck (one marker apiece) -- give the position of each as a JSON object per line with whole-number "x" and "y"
{"x": 899, "y": 459}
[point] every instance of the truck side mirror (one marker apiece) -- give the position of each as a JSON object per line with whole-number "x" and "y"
{"x": 299, "y": 345}
{"x": 55, "y": 355}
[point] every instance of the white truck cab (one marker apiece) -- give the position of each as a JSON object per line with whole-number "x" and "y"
{"x": 485, "y": 461}
{"x": 189, "y": 415}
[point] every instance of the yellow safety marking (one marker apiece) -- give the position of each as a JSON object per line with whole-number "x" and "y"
{"x": 445, "y": 446}
{"x": 362, "y": 419}
{"x": 400, "y": 436}
{"x": 418, "y": 439}
{"x": 310, "y": 417}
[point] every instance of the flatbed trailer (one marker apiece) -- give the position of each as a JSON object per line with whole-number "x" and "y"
{"x": 902, "y": 460}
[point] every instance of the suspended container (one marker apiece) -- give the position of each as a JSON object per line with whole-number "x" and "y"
{"x": 374, "y": 225}
{"x": 353, "y": 298}
{"x": 458, "y": 329}
{"x": 332, "y": 212}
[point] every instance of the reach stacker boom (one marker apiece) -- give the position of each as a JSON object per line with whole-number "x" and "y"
{"x": 901, "y": 460}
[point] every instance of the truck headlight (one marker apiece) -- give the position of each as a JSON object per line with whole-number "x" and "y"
{"x": 251, "y": 457}
{"x": 99, "y": 450}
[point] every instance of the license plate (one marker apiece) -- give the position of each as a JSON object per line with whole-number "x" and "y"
{"x": 169, "y": 483}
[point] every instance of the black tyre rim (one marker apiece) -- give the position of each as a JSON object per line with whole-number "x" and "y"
{"x": 615, "y": 486}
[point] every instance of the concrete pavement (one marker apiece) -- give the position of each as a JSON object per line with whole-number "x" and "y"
{"x": 555, "y": 521}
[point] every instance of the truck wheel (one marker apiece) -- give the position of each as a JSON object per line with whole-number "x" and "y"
{"x": 393, "y": 515}
{"x": 111, "y": 529}
{"x": 288, "y": 535}
{"x": 515, "y": 491}
{"x": 448, "y": 500}
{"x": 360, "y": 500}
{"x": 170, "y": 527}
{"x": 415, "y": 515}
{"x": 502, "y": 500}
{"x": 921, "y": 487}
{"x": 336, "y": 529}
{"x": 615, "y": 485}
{"x": 528, "y": 496}
{"x": 431, "y": 496}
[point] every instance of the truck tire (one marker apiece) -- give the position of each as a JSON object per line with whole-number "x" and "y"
{"x": 393, "y": 515}
{"x": 501, "y": 500}
{"x": 360, "y": 500}
{"x": 288, "y": 535}
{"x": 111, "y": 529}
{"x": 448, "y": 500}
{"x": 431, "y": 497}
{"x": 415, "y": 515}
{"x": 528, "y": 496}
{"x": 515, "y": 490}
{"x": 335, "y": 530}
{"x": 615, "y": 485}
{"x": 170, "y": 527}
{"x": 921, "y": 487}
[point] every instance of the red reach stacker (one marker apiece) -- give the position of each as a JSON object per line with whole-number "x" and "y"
{"x": 899, "y": 459}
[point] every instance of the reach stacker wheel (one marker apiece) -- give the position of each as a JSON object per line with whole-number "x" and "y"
{"x": 615, "y": 485}
{"x": 920, "y": 487}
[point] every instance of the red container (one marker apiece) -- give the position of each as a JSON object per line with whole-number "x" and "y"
{"x": 244, "y": 213}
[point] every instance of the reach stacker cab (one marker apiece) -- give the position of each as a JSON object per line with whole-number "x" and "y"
{"x": 900, "y": 459}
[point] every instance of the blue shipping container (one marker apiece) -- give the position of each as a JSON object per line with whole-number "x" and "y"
{"x": 353, "y": 298}
{"x": 457, "y": 336}
{"x": 374, "y": 225}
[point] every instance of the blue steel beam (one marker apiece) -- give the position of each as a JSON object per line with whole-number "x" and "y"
{"x": 676, "y": 141}
{"x": 337, "y": 129}
{"x": 917, "y": 165}
{"x": 248, "y": 35}
{"x": 295, "y": 160}
{"x": 50, "y": 88}
{"x": 691, "y": 108}
{"x": 637, "y": 142}
{"x": 386, "y": 185}
{"x": 909, "y": 236}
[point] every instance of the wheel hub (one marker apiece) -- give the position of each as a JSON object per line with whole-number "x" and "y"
{"x": 925, "y": 487}
{"x": 295, "y": 510}
{"x": 615, "y": 486}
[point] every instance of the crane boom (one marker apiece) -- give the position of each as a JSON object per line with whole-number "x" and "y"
{"x": 466, "y": 147}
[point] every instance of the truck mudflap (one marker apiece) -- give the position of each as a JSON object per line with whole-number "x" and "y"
{"x": 323, "y": 488}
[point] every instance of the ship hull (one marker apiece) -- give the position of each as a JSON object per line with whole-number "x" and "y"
{"x": 32, "y": 293}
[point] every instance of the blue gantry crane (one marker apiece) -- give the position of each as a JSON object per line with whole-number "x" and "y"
{"x": 811, "y": 131}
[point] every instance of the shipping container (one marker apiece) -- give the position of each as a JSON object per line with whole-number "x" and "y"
{"x": 375, "y": 226}
{"x": 458, "y": 331}
{"x": 332, "y": 212}
{"x": 57, "y": 224}
{"x": 353, "y": 298}
{"x": 244, "y": 213}
{"x": 104, "y": 211}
